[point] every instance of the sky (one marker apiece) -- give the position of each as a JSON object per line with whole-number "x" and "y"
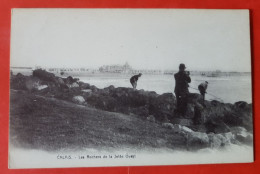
{"x": 205, "y": 40}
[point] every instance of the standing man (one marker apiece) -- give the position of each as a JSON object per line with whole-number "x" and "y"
{"x": 134, "y": 79}
{"x": 182, "y": 78}
{"x": 202, "y": 88}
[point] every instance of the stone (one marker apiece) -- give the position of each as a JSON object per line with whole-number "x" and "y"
{"x": 74, "y": 85}
{"x": 41, "y": 87}
{"x": 44, "y": 75}
{"x": 83, "y": 85}
{"x": 168, "y": 125}
{"x": 60, "y": 81}
{"x": 230, "y": 137}
{"x": 78, "y": 99}
{"x": 181, "y": 129}
{"x": 197, "y": 140}
{"x": 215, "y": 141}
{"x": 32, "y": 84}
{"x": 182, "y": 121}
{"x": 186, "y": 129}
{"x": 151, "y": 118}
{"x": 86, "y": 90}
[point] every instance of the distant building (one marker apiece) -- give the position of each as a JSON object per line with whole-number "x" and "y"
{"x": 126, "y": 68}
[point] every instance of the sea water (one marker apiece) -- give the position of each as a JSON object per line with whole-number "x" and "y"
{"x": 228, "y": 89}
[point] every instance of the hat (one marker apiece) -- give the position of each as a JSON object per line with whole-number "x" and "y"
{"x": 140, "y": 74}
{"x": 182, "y": 66}
{"x": 207, "y": 82}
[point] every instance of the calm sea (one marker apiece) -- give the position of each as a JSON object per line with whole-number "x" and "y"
{"x": 228, "y": 89}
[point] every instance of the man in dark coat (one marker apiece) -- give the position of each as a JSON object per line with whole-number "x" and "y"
{"x": 134, "y": 79}
{"x": 182, "y": 78}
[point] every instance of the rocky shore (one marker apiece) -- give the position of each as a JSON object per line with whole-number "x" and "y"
{"x": 213, "y": 124}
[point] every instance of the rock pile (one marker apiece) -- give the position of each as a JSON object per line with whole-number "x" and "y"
{"x": 213, "y": 120}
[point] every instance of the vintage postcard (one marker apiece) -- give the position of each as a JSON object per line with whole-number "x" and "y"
{"x": 129, "y": 87}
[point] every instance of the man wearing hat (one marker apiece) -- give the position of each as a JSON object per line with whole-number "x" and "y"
{"x": 202, "y": 88}
{"x": 182, "y": 80}
{"x": 134, "y": 79}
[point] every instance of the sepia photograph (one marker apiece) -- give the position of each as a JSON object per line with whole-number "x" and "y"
{"x": 129, "y": 87}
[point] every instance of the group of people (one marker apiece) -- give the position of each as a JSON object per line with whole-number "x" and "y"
{"x": 182, "y": 80}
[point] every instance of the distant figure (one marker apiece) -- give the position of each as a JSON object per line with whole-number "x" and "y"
{"x": 134, "y": 79}
{"x": 182, "y": 78}
{"x": 203, "y": 89}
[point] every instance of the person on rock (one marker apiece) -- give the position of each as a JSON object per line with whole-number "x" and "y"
{"x": 182, "y": 80}
{"x": 203, "y": 89}
{"x": 134, "y": 79}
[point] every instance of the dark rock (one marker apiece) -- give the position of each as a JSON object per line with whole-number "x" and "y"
{"x": 44, "y": 75}
{"x": 242, "y": 135}
{"x": 18, "y": 82}
{"x": 216, "y": 125}
{"x": 141, "y": 111}
{"x": 241, "y": 104}
{"x": 151, "y": 118}
{"x": 197, "y": 140}
{"x": 69, "y": 80}
{"x": 182, "y": 121}
{"x": 83, "y": 85}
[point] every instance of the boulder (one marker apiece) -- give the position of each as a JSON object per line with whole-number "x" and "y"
{"x": 110, "y": 88}
{"x": 68, "y": 80}
{"x": 197, "y": 140}
{"x": 18, "y": 82}
{"x": 32, "y": 83}
{"x": 216, "y": 125}
{"x": 141, "y": 111}
{"x": 44, "y": 75}
{"x": 41, "y": 87}
{"x": 83, "y": 85}
{"x": 241, "y": 104}
{"x": 78, "y": 99}
{"x": 220, "y": 140}
{"x": 151, "y": 118}
{"x": 242, "y": 135}
{"x": 60, "y": 81}
{"x": 181, "y": 129}
{"x": 74, "y": 85}
{"x": 168, "y": 125}
{"x": 182, "y": 121}
{"x": 215, "y": 141}
{"x": 162, "y": 106}
{"x": 230, "y": 137}
{"x": 86, "y": 90}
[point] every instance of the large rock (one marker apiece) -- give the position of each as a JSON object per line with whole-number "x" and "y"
{"x": 242, "y": 135}
{"x": 182, "y": 121}
{"x": 78, "y": 99}
{"x": 44, "y": 75}
{"x": 162, "y": 106}
{"x": 32, "y": 83}
{"x": 197, "y": 140}
{"x": 73, "y": 85}
{"x": 220, "y": 140}
{"x": 83, "y": 85}
{"x": 18, "y": 82}
{"x": 216, "y": 125}
{"x": 151, "y": 118}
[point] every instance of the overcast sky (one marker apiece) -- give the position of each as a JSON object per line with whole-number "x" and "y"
{"x": 145, "y": 38}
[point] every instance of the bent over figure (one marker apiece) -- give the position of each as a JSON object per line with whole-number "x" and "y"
{"x": 202, "y": 88}
{"x": 134, "y": 79}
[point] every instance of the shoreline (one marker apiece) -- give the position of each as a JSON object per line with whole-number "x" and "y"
{"x": 147, "y": 119}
